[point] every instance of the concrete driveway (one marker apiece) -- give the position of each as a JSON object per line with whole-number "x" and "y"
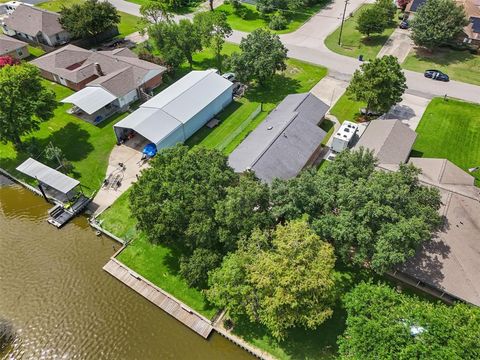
{"x": 398, "y": 44}
{"x": 410, "y": 110}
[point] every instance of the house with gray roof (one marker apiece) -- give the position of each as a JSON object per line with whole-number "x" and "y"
{"x": 449, "y": 264}
{"x": 105, "y": 81}
{"x": 12, "y": 47}
{"x": 37, "y": 25}
{"x": 390, "y": 140}
{"x": 287, "y": 141}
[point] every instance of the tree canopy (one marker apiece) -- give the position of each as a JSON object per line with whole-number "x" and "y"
{"x": 177, "y": 41}
{"x": 174, "y": 200}
{"x": 155, "y": 11}
{"x": 371, "y": 21}
{"x": 89, "y": 19}
{"x": 214, "y": 29}
{"x": 372, "y": 217}
{"x": 281, "y": 280}
{"x": 262, "y": 54}
{"x": 24, "y": 102}
{"x": 379, "y": 83}
{"x": 437, "y": 22}
{"x": 383, "y": 324}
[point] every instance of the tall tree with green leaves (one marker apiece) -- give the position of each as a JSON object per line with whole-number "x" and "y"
{"x": 177, "y": 42}
{"x": 24, "y": 102}
{"x": 383, "y": 324}
{"x": 371, "y": 21}
{"x": 379, "y": 83}
{"x": 373, "y": 218}
{"x": 284, "y": 281}
{"x": 155, "y": 11}
{"x": 437, "y": 22}
{"x": 262, "y": 55}
{"x": 89, "y": 19}
{"x": 245, "y": 207}
{"x": 174, "y": 200}
{"x": 214, "y": 29}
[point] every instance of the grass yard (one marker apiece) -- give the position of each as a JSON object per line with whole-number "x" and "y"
{"x": 191, "y": 7}
{"x": 354, "y": 43}
{"x": 254, "y": 19}
{"x": 459, "y": 65}
{"x": 346, "y": 109}
{"x": 86, "y": 146}
{"x": 35, "y": 52}
{"x": 127, "y": 25}
{"x": 158, "y": 263}
{"x": 450, "y": 129}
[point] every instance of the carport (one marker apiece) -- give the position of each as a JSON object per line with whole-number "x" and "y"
{"x": 92, "y": 103}
{"x": 154, "y": 125}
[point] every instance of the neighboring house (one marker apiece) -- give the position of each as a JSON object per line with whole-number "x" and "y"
{"x": 179, "y": 111}
{"x": 471, "y": 32}
{"x": 13, "y": 47}
{"x": 449, "y": 264}
{"x": 106, "y": 81}
{"x": 286, "y": 142}
{"x": 35, "y": 25}
{"x": 390, "y": 140}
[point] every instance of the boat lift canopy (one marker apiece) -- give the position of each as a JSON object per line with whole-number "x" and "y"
{"x": 48, "y": 176}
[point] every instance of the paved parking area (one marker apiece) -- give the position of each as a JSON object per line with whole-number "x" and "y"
{"x": 410, "y": 110}
{"x": 398, "y": 44}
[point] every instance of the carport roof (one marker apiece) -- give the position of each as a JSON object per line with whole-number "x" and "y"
{"x": 90, "y": 99}
{"x": 51, "y": 177}
{"x": 146, "y": 121}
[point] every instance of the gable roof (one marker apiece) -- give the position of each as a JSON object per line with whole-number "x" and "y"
{"x": 283, "y": 143}
{"x": 9, "y": 44}
{"x": 390, "y": 140}
{"x": 413, "y": 5}
{"x": 118, "y": 74}
{"x": 31, "y": 20}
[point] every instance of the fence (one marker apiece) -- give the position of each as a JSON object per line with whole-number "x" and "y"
{"x": 240, "y": 129}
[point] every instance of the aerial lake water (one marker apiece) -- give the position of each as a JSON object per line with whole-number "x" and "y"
{"x": 62, "y": 304}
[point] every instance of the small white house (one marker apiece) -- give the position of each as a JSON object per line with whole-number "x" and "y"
{"x": 344, "y": 135}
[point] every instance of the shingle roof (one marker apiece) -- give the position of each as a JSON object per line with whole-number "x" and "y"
{"x": 121, "y": 74}
{"x": 9, "y": 44}
{"x": 283, "y": 143}
{"x": 390, "y": 140}
{"x": 31, "y": 20}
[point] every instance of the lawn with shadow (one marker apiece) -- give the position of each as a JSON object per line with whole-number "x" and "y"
{"x": 353, "y": 43}
{"x": 86, "y": 146}
{"x": 459, "y": 65}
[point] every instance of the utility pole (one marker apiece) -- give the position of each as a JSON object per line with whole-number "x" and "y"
{"x": 343, "y": 20}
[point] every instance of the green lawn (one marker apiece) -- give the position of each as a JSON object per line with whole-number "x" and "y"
{"x": 459, "y": 65}
{"x": 354, "y": 43}
{"x": 190, "y": 8}
{"x": 346, "y": 109}
{"x": 35, "y": 51}
{"x": 254, "y": 20}
{"x": 450, "y": 129}
{"x": 127, "y": 25}
{"x": 86, "y": 146}
{"x": 157, "y": 263}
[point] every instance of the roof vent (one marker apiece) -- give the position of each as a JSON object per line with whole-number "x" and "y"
{"x": 270, "y": 128}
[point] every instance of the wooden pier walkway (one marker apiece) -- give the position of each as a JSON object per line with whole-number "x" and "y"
{"x": 172, "y": 306}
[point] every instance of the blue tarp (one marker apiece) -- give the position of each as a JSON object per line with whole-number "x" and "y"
{"x": 150, "y": 150}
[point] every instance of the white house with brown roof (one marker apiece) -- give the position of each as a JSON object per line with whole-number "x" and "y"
{"x": 12, "y": 47}
{"x": 105, "y": 81}
{"x": 36, "y": 25}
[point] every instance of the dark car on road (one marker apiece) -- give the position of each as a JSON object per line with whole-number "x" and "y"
{"x": 436, "y": 75}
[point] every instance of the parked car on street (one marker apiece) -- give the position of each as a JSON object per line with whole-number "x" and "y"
{"x": 229, "y": 76}
{"x": 436, "y": 75}
{"x": 404, "y": 24}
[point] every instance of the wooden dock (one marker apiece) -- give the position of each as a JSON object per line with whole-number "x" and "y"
{"x": 201, "y": 325}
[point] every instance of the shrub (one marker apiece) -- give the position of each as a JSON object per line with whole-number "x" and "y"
{"x": 278, "y": 22}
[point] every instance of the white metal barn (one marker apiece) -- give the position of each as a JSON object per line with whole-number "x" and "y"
{"x": 178, "y": 111}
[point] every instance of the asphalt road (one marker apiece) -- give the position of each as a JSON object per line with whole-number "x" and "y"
{"x": 307, "y": 44}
